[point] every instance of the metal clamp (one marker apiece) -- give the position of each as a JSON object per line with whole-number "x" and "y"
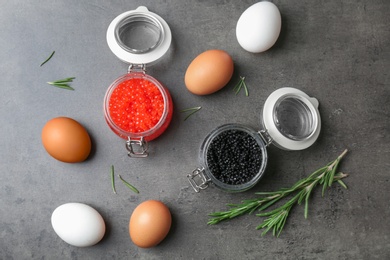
{"x": 198, "y": 175}
{"x": 141, "y": 148}
{"x": 266, "y": 137}
{"x": 137, "y": 68}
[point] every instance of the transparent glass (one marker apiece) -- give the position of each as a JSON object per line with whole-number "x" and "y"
{"x": 153, "y": 132}
{"x": 293, "y": 118}
{"x": 205, "y": 148}
{"x": 139, "y": 33}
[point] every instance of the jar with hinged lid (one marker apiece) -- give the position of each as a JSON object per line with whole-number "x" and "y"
{"x": 137, "y": 107}
{"x": 234, "y": 157}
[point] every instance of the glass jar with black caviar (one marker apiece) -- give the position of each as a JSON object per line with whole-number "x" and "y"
{"x": 234, "y": 157}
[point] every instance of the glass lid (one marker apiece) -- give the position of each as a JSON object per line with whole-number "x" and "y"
{"x": 139, "y": 36}
{"x": 291, "y": 119}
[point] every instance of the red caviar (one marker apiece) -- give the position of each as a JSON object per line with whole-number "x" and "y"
{"x": 136, "y": 105}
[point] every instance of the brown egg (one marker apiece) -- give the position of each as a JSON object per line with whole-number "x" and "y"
{"x": 209, "y": 72}
{"x": 150, "y": 223}
{"x": 66, "y": 140}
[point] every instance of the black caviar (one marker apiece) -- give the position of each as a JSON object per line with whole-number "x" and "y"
{"x": 234, "y": 157}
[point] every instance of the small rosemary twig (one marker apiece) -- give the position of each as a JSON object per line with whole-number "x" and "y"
{"x": 276, "y": 219}
{"x": 51, "y": 55}
{"x": 239, "y": 85}
{"x": 192, "y": 110}
{"x": 131, "y": 187}
{"x": 113, "y": 179}
{"x": 62, "y": 83}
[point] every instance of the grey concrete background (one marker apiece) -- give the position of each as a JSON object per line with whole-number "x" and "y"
{"x": 336, "y": 51}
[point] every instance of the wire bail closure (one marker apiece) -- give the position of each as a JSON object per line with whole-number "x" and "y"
{"x": 266, "y": 137}
{"x": 137, "y": 148}
{"x": 198, "y": 175}
{"x": 137, "y": 68}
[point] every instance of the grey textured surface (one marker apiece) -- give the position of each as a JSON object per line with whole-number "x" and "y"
{"x": 336, "y": 51}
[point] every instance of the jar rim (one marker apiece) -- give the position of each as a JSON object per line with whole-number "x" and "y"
{"x": 306, "y": 109}
{"x": 230, "y": 187}
{"x": 146, "y": 19}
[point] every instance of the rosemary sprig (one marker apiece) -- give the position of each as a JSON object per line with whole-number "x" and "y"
{"x": 239, "y": 85}
{"x": 131, "y": 187}
{"x": 192, "y": 110}
{"x": 113, "y": 179}
{"x": 276, "y": 219}
{"x": 51, "y": 55}
{"x": 62, "y": 83}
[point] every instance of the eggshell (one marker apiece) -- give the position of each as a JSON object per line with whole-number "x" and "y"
{"x": 209, "y": 72}
{"x": 149, "y": 223}
{"x": 78, "y": 224}
{"x": 258, "y": 27}
{"x": 66, "y": 140}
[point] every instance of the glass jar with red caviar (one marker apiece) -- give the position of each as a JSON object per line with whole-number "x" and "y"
{"x": 137, "y": 107}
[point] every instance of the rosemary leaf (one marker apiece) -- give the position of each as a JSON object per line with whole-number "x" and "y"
{"x": 331, "y": 175}
{"x": 131, "y": 187}
{"x": 113, "y": 179}
{"x": 192, "y": 110}
{"x": 66, "y": 80}
{"x": 64, "y": 86}
{"x": 283, "y": 222}
{"x": 307, "y": 204}
{"x": 51, "y": 55}
{"x": 237, "y": 87}
{"x": 245, "y": 88}
{"x": 324, "y": 186}
{"x": 342, "y": 184}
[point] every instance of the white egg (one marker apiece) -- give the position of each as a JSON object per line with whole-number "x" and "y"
{"x": 78, "y": 224}
{"x": 258, "y": 27}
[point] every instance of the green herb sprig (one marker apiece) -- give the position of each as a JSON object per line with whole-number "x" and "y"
{"x": 276, "y": 219}
{"x": 112, "y": 174}
{"x": 131, "y": 187}
{"x": 62, "y": 83}
{"x": 51, "y": 55}
{"x": 192, "y": 110}
{"x": 240, "y": 85}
